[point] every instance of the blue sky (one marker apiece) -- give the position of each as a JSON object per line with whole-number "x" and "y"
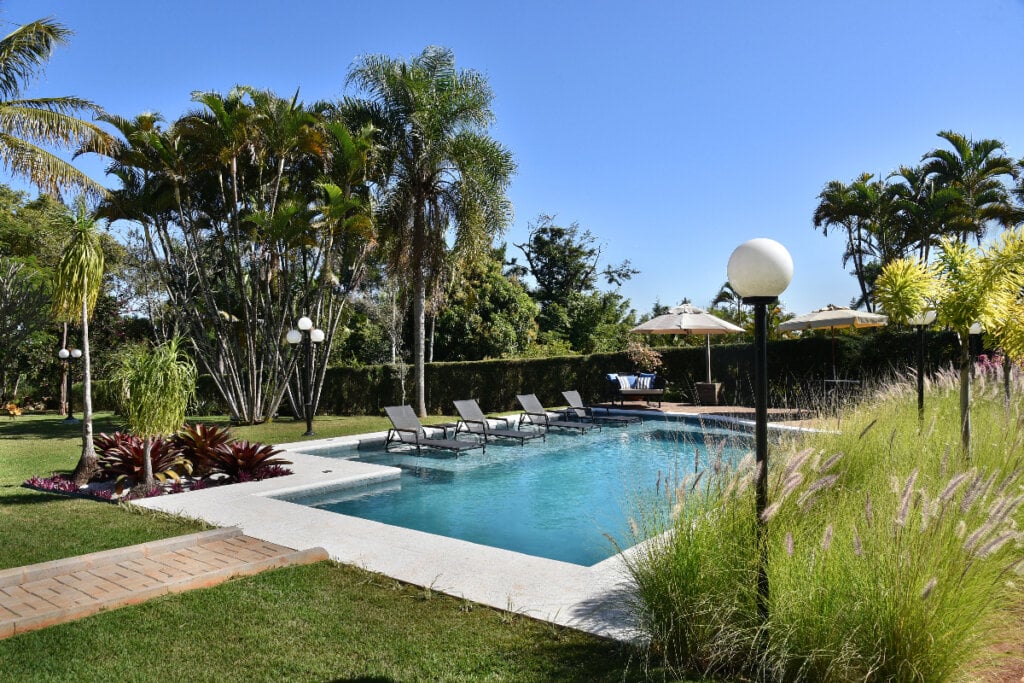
{"x": 672, "y": 130}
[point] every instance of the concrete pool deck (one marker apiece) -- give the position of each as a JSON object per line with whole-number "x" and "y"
{"x": 592, "y": 599}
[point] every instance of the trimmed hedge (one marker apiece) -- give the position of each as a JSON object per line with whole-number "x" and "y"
{"x": 796, "y": 369}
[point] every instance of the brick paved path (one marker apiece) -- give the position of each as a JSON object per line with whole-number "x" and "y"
{"x": 51, "y": 593}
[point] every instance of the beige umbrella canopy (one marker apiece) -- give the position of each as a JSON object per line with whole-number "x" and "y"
{"x": 833, "y": 318}
{"x": 688, "y": 319}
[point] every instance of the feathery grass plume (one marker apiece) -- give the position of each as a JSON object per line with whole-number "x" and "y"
{"x": 634, "y": 528}
{"x": 770, "y": 511}
{"x": 944, "y": 464}
{"x": 908, "y": 489}
{"x": 979, "y": 533}
{"x": 1008, "y": 507}
{"x": 790, "y": 484}
{"x": 996, "y": 543}
{"x": 929, "y": 587}
{"x": 789, "y": 543}
{"x": 952, "y": 486}
{"x": 961, "y": 529}
{"x": 867, "y": 429}
{"x": 1006, "y": 482}
{"x": 696, "y": 459}
{"x": 828, "y": 464}
{"x": 858, "y": 549}
{"x": 807, "y": 498}
{"x": 826, "y": 541}
{"x": 795, "y": 462}
{"x": 973, "y": 492}
{"x": 869, "y": 514}
{"x": 931, "y": 430}
{"x": 696, "y": 480}
{"x": 892, "y": 439}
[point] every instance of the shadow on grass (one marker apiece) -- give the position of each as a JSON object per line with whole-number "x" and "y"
{"x": 53, "y": 427}
{"x": 33, "y": 497}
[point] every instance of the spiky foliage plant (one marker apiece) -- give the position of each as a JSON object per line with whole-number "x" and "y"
{"x": 156, "y": 385}
{"x": 243, "y": 460}
{"x": 198, "y": 443}
{"x": 126, "y": 459}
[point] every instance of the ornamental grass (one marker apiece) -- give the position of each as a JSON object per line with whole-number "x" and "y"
{"x": 891, "y": 553}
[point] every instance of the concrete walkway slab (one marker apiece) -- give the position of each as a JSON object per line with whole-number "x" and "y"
{"x": 49, "y": 593}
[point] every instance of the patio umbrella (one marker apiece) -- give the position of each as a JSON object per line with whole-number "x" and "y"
{"x": 833, "y": 318}
{"x": 688, "y": 319}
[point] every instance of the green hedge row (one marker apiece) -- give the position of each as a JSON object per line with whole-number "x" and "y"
{"x": 796, "y": 369}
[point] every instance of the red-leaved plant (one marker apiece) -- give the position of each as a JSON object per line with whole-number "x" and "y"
{"x": 198, "y": 442}
{"x": 243, "y": 460}
{"x": 122, "y": 455}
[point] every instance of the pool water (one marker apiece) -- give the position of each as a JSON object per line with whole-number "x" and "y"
{"x": 556, "y": 499}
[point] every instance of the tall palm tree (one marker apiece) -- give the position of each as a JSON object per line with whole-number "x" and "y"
{"x": 975, "y": 171}
{"x": 29, "y": 125}
{"x": 441, "y": 170}
{"x": 922, "y": 209}
{"x": 862, "y": 209}
{"x": 78, "y": 280}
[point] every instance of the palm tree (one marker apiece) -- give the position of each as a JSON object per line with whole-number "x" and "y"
{"x": 156, "y": 385}
{"x": 839, "y": 205}
{"x": 29, "y": 125}
{"x": 441, "y": 170}
{"x": 922, "y": 209}
{"x": 975, "y": 171}
{"x": 78, "y": 280}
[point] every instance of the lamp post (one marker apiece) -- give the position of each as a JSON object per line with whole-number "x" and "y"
{"x": 759, "y": 271}
{"x": 920, "y": 322}
{"x": 308, "y": 335}
{"x": 66, "y": 356}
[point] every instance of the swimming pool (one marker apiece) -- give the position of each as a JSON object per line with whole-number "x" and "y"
{"x": 555, "y": 499}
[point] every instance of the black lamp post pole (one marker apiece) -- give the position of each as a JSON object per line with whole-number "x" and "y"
{"x": 761, "y": 304}
{"x": 920, "y": 374}
{"x": 308, "y": 344}
{"x": 67, "y": 374}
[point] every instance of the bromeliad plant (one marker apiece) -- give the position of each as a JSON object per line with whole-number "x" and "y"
{"x": 124, "y": 456}
{"x": 200, "y": 443}
{"x": 245, "y": 461}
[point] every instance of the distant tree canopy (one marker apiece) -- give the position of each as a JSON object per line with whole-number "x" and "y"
{"x": 565, "y": 264}
{"x": 959, "y": 191}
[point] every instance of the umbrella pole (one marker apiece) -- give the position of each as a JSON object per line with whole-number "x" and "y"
{"x": 708, "y": 346}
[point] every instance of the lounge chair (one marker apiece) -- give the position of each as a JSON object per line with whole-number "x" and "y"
{"x": 475, "y": 422}
{"x": 535, "y": 414}
{"x": 406, "y": 429}
{"x": 579, "y": 411}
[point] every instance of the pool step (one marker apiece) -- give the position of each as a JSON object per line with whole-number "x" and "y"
{"x": 41, "y": 595}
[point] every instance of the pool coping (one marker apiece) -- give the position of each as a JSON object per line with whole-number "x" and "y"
{"x": 594, "y": 599}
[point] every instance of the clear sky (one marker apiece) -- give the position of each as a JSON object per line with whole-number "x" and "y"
{"x": 673, "y": 130}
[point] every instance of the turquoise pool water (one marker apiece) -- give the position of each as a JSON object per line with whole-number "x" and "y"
{"x": 556, "y": 499}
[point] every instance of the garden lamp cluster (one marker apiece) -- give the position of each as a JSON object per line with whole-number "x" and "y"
{"x": 308, "y": 335}
{"x": 759, "y": 270}
{"x": 66, "y": 356}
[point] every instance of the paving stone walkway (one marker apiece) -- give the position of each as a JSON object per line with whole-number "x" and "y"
{"x": 41, "y": 595}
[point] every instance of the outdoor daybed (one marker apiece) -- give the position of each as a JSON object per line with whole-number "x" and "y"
{"x": 643, "y": 385}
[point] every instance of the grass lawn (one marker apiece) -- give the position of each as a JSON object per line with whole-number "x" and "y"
{"x": 318, "y": 622}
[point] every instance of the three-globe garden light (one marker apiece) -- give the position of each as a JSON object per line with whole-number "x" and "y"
{"x": 759, "y": 271}
{"x": 66, "y": 356}
{"x": 308, "y": 335}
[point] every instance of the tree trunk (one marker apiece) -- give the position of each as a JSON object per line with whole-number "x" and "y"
{"x": 147, "y": 463}
{"x": 88, "y": 464}
{"x": 965, "y": 395}
{"x": 419, "y": 333}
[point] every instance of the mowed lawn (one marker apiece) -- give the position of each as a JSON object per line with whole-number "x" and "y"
{"x": 319, "y": 622}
